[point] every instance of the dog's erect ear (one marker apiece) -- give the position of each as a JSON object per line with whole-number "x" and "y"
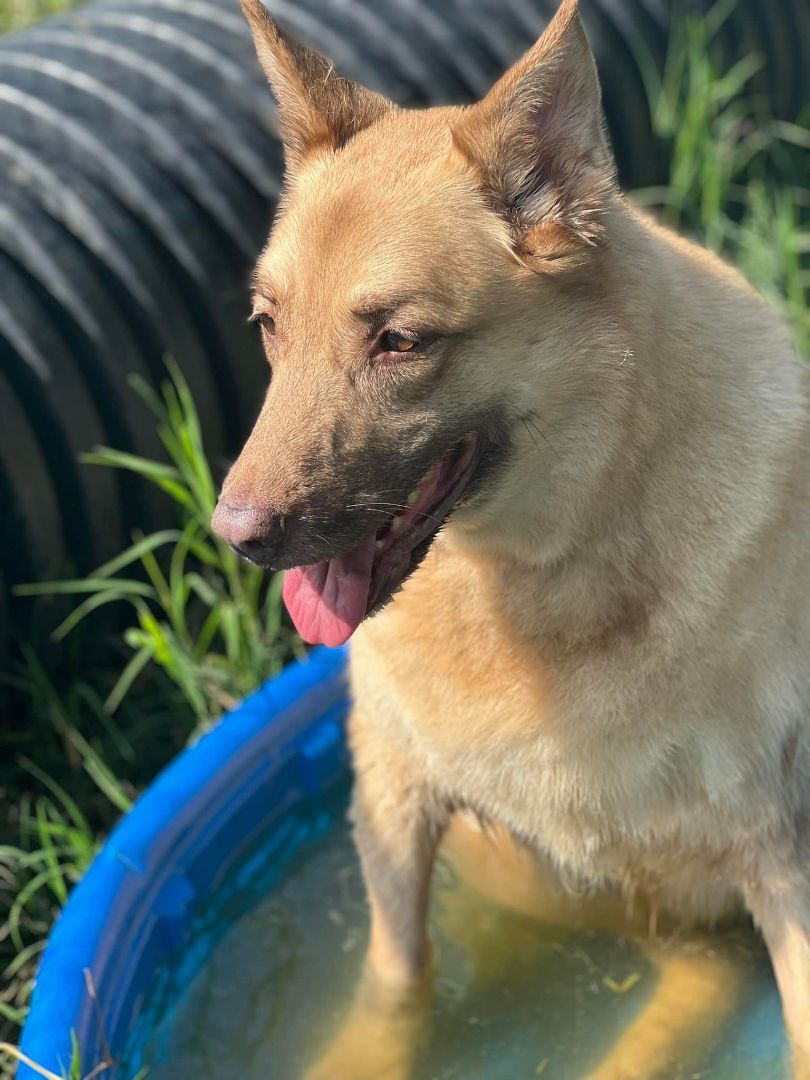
{"x": 538, "y": 144}
{"x": 318, "y": 110}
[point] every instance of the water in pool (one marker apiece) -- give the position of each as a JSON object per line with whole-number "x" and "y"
{"x": 515, "y": 997}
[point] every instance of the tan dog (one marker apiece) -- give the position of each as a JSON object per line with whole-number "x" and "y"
{"x": 607, "y": 648}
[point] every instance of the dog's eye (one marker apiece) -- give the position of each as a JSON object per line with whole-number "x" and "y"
{"x": 267, "y": 324}
{"x": 393, "y": 342}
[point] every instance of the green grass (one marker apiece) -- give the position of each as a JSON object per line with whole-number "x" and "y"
{"x": 15, "y": 14}
{"x": 203, "y": 629}
{"x": 212, "y": 624}
{"x": 74, "y": 1069}
{"x": 55, "y": 842}
{"x": 61, "y": 792}
{"x": 737, "y": 178}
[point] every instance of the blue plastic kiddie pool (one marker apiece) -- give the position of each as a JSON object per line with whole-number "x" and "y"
{"x": 220, "y": 932}
{"x": 273, "y": 761}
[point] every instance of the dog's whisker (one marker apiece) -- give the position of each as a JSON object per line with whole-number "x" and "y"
{"x": 389, "y": 507}
{"x": 530, "y": 421}
{"x": 325, "y": 540}
{"x": 372, "y": 509}
{"x": 530, "y": 433}
{"x": 419, "y": 513}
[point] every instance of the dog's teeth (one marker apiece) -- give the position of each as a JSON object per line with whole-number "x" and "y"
{"x": 413, "y": 498}
{"x": 380, "y": 545}
{"x": 397, "y": 524}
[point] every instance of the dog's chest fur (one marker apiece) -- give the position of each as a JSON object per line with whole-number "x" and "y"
{"x": 623, "y": 779}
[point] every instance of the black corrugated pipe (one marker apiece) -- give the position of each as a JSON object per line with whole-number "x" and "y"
{"x": 140, "y": 167}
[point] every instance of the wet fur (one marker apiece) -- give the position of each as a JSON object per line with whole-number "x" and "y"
{"x": 606, "y": 649}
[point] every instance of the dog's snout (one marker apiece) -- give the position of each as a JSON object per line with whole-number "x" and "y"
{"x": 253, "y": 531}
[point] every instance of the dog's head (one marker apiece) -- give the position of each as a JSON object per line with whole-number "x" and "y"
{"x": 405, "y": 255}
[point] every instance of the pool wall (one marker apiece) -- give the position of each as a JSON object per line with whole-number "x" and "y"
{"x": 136, "y": 904}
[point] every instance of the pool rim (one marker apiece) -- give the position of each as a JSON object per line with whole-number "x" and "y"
{"x": 301, "y": 708}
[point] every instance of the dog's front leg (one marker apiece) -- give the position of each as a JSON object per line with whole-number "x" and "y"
{"x": 397, "y": 825}
{"x": 780, "y": 904}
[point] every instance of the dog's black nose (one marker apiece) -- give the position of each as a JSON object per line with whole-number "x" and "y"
{"x": 255, "y": 532}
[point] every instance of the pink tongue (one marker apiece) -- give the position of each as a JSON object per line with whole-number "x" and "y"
{"x": 327, "y": 601}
